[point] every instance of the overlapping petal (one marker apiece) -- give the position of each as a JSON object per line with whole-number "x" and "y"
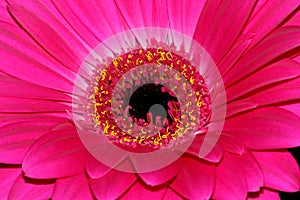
{"x": 59, "y": 153}
{"x": 140, "y": 191}
{"x": 109, "y": 186}
{"x": 75, "y": 187}
{"x": 195, "y": 173}
{"x": 49, "y": 39}
{"x": 8, "y": 174}
{"x": 266, "y": 128}
{"x": 228, "y": 174}
{"x": 25, "y": 188}
{"x": 220, "y": 24}
{"x": 17, "y": 138}
{"x": 281, "y": 171}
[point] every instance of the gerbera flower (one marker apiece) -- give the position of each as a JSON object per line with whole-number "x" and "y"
{"x": 221, "y": 81}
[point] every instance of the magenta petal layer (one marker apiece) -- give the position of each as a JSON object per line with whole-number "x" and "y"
{"x": 266, "y": 128}
{"x": 17, "y": 138}
{"x": 192, "y": 174}
{"x": 170, "y": 194}
{"x": 276, "y": 44}
{"x": 95, "y": 168}
{"x": 75, "y": 187}
{"x": 109, "y": 186}
{"x": 144, "y": 13}
{"x": 184, "y": 15}
{"x": 220, "y": 24}
{"x": 58, "y": 153}
{"x": 8, "y": 177}
{"x": 252, "y": 172}
{"x": 214, "y": 155}
{"x": 266, "y": 77}
{"x": 47, "y": 11}
{"x": 24, "y": 188}
{"x": 280, "y": 170}
{"x": 228, "y": 174}
{"x": 140, "y": 191}
{"x": 273, "y": 14}
{"x": 161, "y": 176}
{"x": 264, "y": 194}
{"x": 48, "y": 38}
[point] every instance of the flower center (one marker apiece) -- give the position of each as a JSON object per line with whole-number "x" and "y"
{"x": 141, "y": 95}
{"x": 134, "y": 99}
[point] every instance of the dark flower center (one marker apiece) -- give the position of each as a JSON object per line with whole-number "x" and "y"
{"x": 150, "y": 103}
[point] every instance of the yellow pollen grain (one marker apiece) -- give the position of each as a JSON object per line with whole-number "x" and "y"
{"x": 138, "y": 61}
{"x": 149, "y": 55}
{"x": 192, "y": 81}
{"x": 169, "y": 56}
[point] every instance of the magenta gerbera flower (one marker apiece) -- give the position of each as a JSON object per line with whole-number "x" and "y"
{"x": 149, "y": 99}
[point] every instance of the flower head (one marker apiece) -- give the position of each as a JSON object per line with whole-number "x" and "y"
{"x": 163, "y": 99}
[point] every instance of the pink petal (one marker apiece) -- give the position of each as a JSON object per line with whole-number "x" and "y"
{"x": 162, "y": 175}
{"x": 293, "y": 108}
{"x": 9, "y": 87}
{"x": 230, "y": 179}
{"x": 24, "y": 188}
{"x": 31, "y": 63}
{"x": 266, "y": 128}
{"x": 196, "y": 180}
{"x": 184, "y": 15}
{"x": 258, "y": 6}
{"x": 16, "y": 139}
{"x": 221, "y": 20}
{"x": 275, "y": 45}
{"x": 48, "y": 13}
{"x": 280, "y": 94}
{"x": 4, "y": 15}
{"x": 75, "y": 187}
{"x": 170, "y": 194}
{"x": 8, "y": 176}
{"x": 235, "y": 53}
{"x": 230, "y": 144}
{"x": 272, "y": 13}
{"x": 95, "y": 168}
{"x": 11, "y": 118}
{"x": 265, "y": 77}
{"x": 214, "y": 155}
{"x": 112, "y": 185}
{"x": 47, "y": 37}
{"x": 240, "y": 106}
{"x": 265, "y": 194}
{"x": 151, "y": 13}
{"x": 91, "y": 11}
{"x": 283, "y": 93}
{"x": 297, "y": 58}
{"x": 252, "y": 172}
{"x": 280, "y": 170}
{"x": 13, "y": 105}
{"x": 294, "y": 20}
{"x": 84, "y": 19}
{"x": 58, "y": 153}
{"x": 140, "y": 191}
